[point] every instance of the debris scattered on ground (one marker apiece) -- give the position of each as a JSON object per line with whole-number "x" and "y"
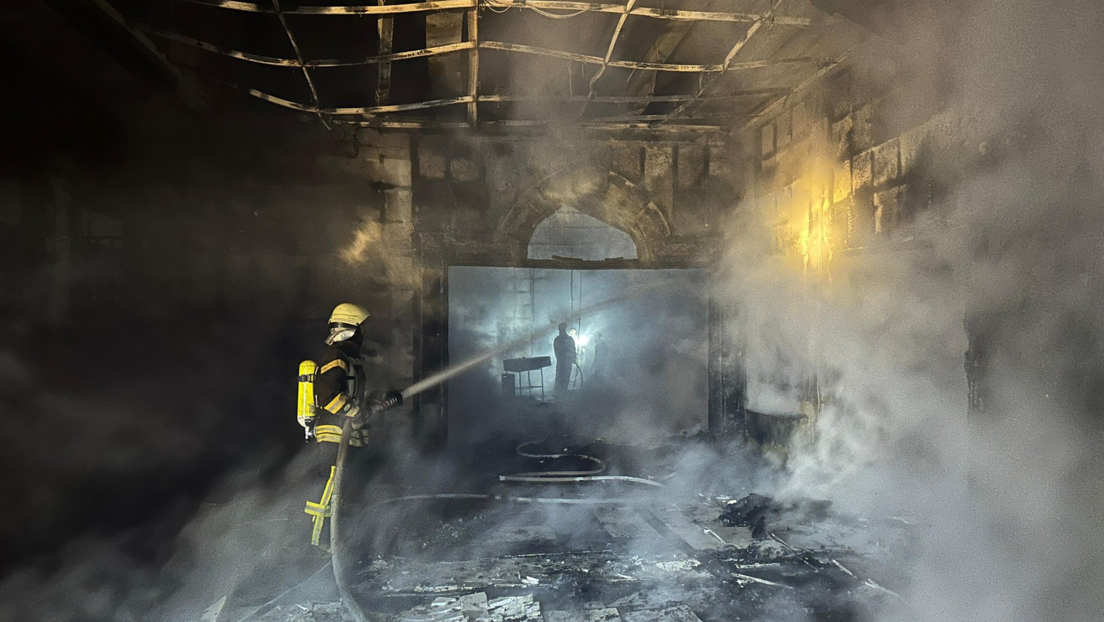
{"x": 760, "y": 512}
{"x": 622, "y": 563}
{"x": 680, "y": 613}
{"x": 683, "y": 565}
{"x": 604, "y": 614}
{"x": 308, "y": 612}
{"x": 476, "y": 608}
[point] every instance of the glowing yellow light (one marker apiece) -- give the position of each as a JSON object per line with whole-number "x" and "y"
{"x": 806, "y": 217}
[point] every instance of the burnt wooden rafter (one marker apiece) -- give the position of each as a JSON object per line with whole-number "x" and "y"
{"x": 299, "y": 57}
{"x": 704, "y": 83}
{"x": 533, "y": 5}
{"x": 471, "y": 43}
{"x": 485, "y": 45}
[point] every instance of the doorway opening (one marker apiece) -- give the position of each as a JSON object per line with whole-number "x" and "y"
{"x": 640, "y": 368}
{"x": 571, "y": 234}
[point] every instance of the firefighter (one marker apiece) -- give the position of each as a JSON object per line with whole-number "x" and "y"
{"x": 601, "y": 358}
{"x": 339, "y": 381}
{"x": 564, "y": 349}
{"x": 338, "y": 391}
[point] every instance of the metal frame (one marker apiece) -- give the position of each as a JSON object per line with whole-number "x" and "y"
{"x": 679, "y": 119}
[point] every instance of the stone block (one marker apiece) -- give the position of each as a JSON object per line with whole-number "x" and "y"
{"x": 391, "y": 171}
{"x": 658, "y": 174}
{"x": 341, "y": 165}
{"x": 887, "y": 209}
{"x": 402, "y": 350}
{"x": 862, "y": 173}
{"x": 402, "y": 303}
{"x": 431, "y": 157}
{"x": 721, "y": 163}
{"x": 784, "y": 128}
{"x": 885, "y": 169}
{"x": 841, "y": 182}
{"x": 841, "y": 136}
{"x": 911, "y": 144}
{"x": 368, "y": 137}
{"x": 401, "y": 270}
{"x": 861, "y": 218}
{"x": 398, "y": 205}
{"x": 802, "y": 121}
{"x": 862, "y": 129}
{"x": 626, "y": 160}
{"x": 398, "y": 234}
{"x": 384, "y": 140}
{"x": 464, "y": 169}
{"x": 502, "y": 173}
{"x": 691, "y": 165}
{"x": 767, "y": 139}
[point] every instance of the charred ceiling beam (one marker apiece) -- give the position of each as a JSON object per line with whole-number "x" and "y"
{"x": 385, "y": 27}
{"x": 473, "y": 67}
{"x": 533, "y": 5}
{"x": 483, "y": 45}
{"x": 579, "y": 8}
{"x": 625, "y": 10}
{"x": 629, "y": 64}
{"x": 612, "y": 123}
{"x": 468, "y": 99}
{"x": 291, "y": 62}
{"x": 736, "y": 49}
{"x": 805, "y": 84}
{"x": 299, "y": 56}
{"x": 534, "y": 124}
{"x": 370, "y": 9}
{"x": 634, "y": 99}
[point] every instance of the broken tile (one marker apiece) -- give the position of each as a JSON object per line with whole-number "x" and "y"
{"x": 680, "y": 613}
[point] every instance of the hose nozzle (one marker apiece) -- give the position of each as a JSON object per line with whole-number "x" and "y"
{"x": 380, "y": 401}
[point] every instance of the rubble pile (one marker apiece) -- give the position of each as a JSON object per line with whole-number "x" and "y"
{"x": 476, "y": 608}
{"x": 759, "y": 513}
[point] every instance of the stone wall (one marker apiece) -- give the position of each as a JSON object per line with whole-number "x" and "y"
{"x": 491, "y": 192}
{"x": 274, "y": 242}
{"x": 477, "y": 200}
{"x": 843, "y": 182}
{"x": 843, "y": 151}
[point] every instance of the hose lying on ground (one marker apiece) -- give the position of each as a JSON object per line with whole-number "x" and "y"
{"x": 337, "y": 546}
{"x": 567, "y": 477}
{"x": 539, "y": 479}
{"x": 338, "y": 557}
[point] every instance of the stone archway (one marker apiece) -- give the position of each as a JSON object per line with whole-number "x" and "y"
{"x": 602, "y": 194}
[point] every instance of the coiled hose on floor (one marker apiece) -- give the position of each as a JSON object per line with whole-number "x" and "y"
{"x": 339, "y": 559}
{"x": 567, "y": 477}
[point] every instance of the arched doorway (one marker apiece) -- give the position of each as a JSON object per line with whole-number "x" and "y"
{"x": 571, "y": 234}
{"x": 600, "y": 194}
{"x": 610, "y": 207}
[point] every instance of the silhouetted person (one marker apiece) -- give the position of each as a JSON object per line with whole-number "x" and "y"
{"x": 601, "y": 358}
{"x": 564, "y": 348}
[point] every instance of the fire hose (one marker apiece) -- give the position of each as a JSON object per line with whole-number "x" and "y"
{"x": 568, "y": 477}
{"x": 337, "y": 547}
{"x": 380, "y": 403}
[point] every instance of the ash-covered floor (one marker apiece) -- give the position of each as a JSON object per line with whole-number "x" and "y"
{"x": 605, "y": 551}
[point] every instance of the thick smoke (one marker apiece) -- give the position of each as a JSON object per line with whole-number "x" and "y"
{"x": 654, "y": 383}
{"x": 1011, "y": 253}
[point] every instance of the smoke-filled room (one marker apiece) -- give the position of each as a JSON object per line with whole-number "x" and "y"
{"x": 552, "y": 311}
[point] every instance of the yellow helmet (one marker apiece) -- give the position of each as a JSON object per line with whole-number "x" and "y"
{"x": 348, "y": 313}
{"x": 344, "y": 320}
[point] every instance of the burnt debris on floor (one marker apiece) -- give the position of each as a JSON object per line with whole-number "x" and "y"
{"x": 613, "y": 551}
